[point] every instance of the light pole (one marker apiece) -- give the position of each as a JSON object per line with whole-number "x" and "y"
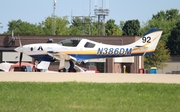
{"x": 54, "y": 18}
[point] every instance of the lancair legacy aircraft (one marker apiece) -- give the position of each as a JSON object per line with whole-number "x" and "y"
{"x": 73, "y": 50}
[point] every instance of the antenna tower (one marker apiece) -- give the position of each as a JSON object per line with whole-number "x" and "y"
{"x": 85, "y": 20}
{"x": 101, "y": 13}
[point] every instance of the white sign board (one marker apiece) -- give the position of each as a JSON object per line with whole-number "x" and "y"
{"x": 124, "y": 59}
{"x": 14, "y": 56}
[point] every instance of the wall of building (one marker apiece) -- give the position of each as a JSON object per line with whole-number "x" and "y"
{"x": 172, "y": 66}
{"x": 7, "y": 41}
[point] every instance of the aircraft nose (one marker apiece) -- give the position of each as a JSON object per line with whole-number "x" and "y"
{"x": 18, "y": 49}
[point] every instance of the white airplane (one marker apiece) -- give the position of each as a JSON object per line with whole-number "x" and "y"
{"x": 73, "y": 50}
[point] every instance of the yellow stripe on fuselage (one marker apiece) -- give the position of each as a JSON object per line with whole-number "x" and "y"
{"x": 95, "y": 52}
{"x": 81, "y": 52}
{"x": 142, "y": 52}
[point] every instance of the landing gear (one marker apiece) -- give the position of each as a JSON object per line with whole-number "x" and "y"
{"x": 66, "y": 66}
{"x": 62, "y": 70}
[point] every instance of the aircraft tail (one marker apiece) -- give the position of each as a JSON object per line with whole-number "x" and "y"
{"x": 149, "y": 41}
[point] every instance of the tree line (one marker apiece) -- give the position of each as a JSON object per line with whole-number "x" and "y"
{"x": 169, "y": 20}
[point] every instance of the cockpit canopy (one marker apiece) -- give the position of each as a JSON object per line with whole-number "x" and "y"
{"x": 71, "y": 42}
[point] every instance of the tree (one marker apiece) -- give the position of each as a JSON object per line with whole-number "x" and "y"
{"x": 76, "y": 27}
{"x": 22, "y": 28}
{"x": 43, "y": 28}
{"x": 61, "y": 26}
{"x": 163, "y": 19}
{"x": 166, "y": 20}
{"x": 95, "y": 28}
{"x": 131, "y": 28}
{"x": 82, "y": 26}
{"x": 112, "y": 29}
{"x": 174, "y": 40}
{"x": 122, "y": 24}
{"x": 160, "y": 56}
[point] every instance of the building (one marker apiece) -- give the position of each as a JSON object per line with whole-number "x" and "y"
{"x": 111, "y": 65}
{"x": 172, "y": 67}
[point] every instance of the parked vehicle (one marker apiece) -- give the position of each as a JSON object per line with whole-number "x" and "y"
{"x": 25, "y": 67}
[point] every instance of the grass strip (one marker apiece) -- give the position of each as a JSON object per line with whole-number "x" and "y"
{"x": 88, "y": 97}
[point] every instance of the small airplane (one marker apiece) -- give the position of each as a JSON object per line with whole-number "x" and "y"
{"x": 73, "y": 50}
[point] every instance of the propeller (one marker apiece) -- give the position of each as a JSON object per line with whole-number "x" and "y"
{"x": 21, "y": 53}
{"x": 19, "y": 49}
{"x": 20, "y": 59}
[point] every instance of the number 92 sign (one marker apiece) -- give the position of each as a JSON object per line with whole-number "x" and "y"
{"x": 146, "y": 39}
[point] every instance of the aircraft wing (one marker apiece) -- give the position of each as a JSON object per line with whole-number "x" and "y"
{"x": 59, "y": 56}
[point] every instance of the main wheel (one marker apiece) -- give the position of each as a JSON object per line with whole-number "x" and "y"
{"x": 68, "y": 65}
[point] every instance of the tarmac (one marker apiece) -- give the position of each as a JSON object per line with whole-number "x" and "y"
{"x": 89, "y": 77}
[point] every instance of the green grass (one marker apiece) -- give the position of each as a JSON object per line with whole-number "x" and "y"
{"x": 88, "y": 97}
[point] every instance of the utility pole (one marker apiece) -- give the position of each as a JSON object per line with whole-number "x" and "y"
{"x": 54, "y": 19}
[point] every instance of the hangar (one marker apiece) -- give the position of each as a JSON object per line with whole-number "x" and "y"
{"x": 110, "y": 65}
